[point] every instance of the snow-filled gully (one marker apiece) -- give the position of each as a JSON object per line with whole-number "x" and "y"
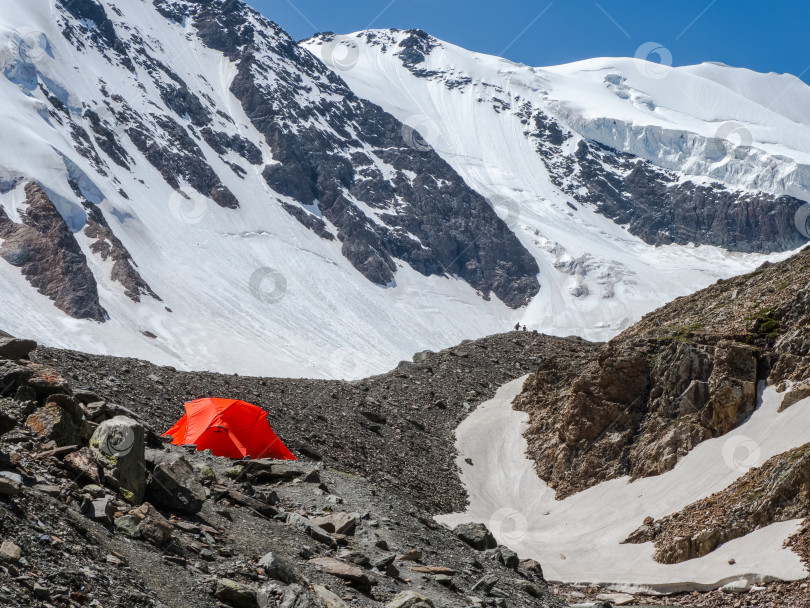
{"x": 578, "y": 540}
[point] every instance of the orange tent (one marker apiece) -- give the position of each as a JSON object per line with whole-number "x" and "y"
{"x": 229, "y": 428}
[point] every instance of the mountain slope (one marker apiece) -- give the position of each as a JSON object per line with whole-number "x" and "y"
{"x": 589, "y": 161}
{"x": 236, "y": 204}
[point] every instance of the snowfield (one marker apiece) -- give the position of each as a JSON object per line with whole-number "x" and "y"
{"x": 578, "y": 540}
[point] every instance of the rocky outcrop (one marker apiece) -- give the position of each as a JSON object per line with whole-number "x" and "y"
{"x": 178, "y": 157}
{"x": 109, "y": 247}
{"x": 49, "y": 257}
{"x": 687, "y": 372}
{"x": 656, "y": 204}
{"x": 777, "y": 491}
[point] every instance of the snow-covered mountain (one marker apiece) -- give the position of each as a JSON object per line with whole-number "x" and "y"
{"x": 182, "y": 182}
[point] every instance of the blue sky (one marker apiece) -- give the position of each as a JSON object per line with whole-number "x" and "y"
{"x": 763, "y": 36}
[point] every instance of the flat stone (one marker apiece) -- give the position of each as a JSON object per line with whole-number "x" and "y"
{"x": 336, "y": 523}
{"x": 433, "y": 570}
{"x": 347, "y": 572}
{"x": 617, "y": 599}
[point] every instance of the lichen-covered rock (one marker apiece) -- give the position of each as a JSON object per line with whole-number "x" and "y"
{"x": 118, "y": 447}
{"x": 54, "y": 423}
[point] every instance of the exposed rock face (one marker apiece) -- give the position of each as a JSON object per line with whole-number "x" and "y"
{"x": 428, "y": 217}
{"x": 657, "y": 205}
{"x": 685, "y": 373}
{"x": 659, "y": 208}
{"x": 49, "y": 256}
{"x": 777, "y": 491}
{"x": 109, "y": 246}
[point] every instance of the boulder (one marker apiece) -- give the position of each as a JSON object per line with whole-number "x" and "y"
{"x": 9, "y": 552}
{"x": 45, "y": 381}
{"x": 174, "y": 486}
{"x": 153, "y": 526}
{"x": 476, "y": 535}
{"x": 276, "y": 568}
{"x": 15, "y": 348}
{"x": 236, "y": 594}
{"x": 9, "y": 487}
{"x": 54, "y": 423}
{"x": 409, "y": 599}
{"x": 84, "y": 465}
{"x": 336, "y": 523}
{"x": 100, "y": 510}
{"x": 128, "y": 524}
{"x": 117, "y": 445}
{"x": 327, "y": 598}
{"x": 508, "y": 558}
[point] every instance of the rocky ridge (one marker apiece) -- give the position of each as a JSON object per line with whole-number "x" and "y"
{"x": 685, "y": 373}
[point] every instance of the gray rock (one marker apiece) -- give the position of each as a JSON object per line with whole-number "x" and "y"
{"x": 476, "y": 535}
{"x": 153, "y": 526}
{"x": 485, "y": 584}
{"x": 128, "y": 524}
{"x": 9, "y": 552}
{"x": 100, "y": 510}
{"x": 276, "y": 568}
{"x": 529, "y": 587}
{"x": 327, "y": 598}
{"x": 236, "y": 594}
{"x": 295, "y": 596}
{"x": 409, "y": 599}
{"x": 508, "y": 558}
{"x": 118, "y": 447}
{"x": 174, "y": 486}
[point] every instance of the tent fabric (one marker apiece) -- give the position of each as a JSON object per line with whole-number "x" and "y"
{"x": 229, "y": 428}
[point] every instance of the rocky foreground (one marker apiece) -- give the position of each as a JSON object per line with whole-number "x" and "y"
{"x": 97, "y": 510}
